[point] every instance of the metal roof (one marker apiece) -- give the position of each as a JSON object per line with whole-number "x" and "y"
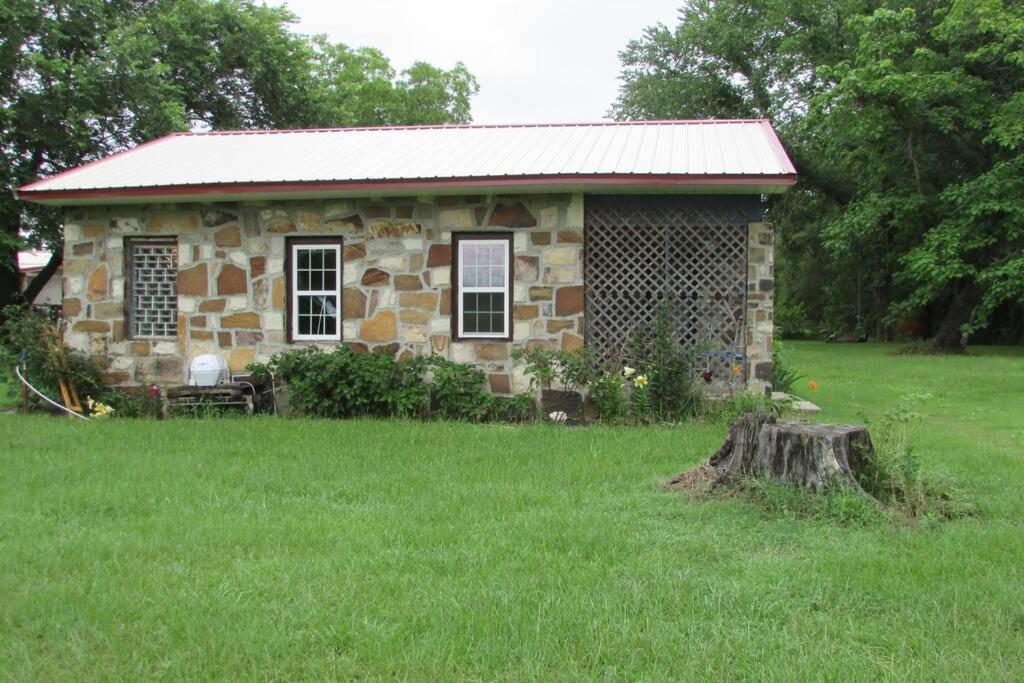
{"x": 668, "y": 156}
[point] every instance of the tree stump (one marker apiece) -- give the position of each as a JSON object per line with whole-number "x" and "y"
{"x": 815, "y": 456}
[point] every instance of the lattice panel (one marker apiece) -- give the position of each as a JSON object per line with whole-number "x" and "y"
{"x": 154, "y": 289}
{"x": 641, "y": 251}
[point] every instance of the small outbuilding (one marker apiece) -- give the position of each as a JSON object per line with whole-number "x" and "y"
{"x": 464, "y": 241}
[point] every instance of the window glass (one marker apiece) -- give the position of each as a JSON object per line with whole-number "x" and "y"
{"x": 153, "y": 288}
{"x": 483, "y": 287}
{"x": 316, "y": 294}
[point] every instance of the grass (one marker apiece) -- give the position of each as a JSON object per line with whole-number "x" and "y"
{"x": 275, "y": 549}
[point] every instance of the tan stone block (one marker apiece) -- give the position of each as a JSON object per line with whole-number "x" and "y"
{"x": 239, "y": 358}
{"x": 309, "y": 221}
{"x": 83, "y": 249}
{"x": 248, "y": 338}
{"x": 93, "y": 230}
{"x": 72, "y": 308}
{"x": 232, "y": 280}
{"x": 139, "y": 348}
{"x": 77, "y": 266}
{"x": 193, "y": 281}
{"x": 96, "y": 288}
{"x": 555, "y": 326}
{"x": 490, "y": 350}
{"x": 281, "y": 226}
{"x": 277, "y": 294}
{"x": 408, "y": 283}
{"x": 375, "y": 277}
{"x": 569, "y": 300}
{"x": 446, "y": 301}
{"x": 439, "y": 343}
{"x": 172, "y": 221}
{"x": 212, "y": 305}
{"x": 570, "y": 342}
{"x": 415, "y": 317}
{"x": 355, "y": 251}
{"x": 353, "y": 303}
{"x": 570, "y": 237}
{"x": 382, "y": 327}
{"x": 108, "y": 310}
{"x": 500, "y": 383}
{"x": 391, "y": 230}
{"x": 347, "y": 225}
{"x": 541, "y": 293}
{"x": 230, "y": 236}
{"x": 456, "y": 218}
{"x": 243, "y": 320}
{"x": 540, "y": 238}
{"x": 549, "y": 217}
{"x": 560, "y": 256}
{"x": 549, "y": 344}
{"x": 202, "y": 335}
{"x": 423, "y": 300}
{"x": 414, "y": 334}
{"x": 92, "y": 326}
{"x": 525, "y": 311}
{"x": 561, "y": 275}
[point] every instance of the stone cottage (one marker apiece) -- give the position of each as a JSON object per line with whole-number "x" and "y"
{"x": 464, "y": 241}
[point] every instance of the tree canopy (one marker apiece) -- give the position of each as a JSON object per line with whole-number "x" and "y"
{"x": 80, "y": 79}
{"x": 906, "y": 122}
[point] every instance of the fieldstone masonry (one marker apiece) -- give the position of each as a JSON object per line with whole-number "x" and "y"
{"x": 396, "y": 281}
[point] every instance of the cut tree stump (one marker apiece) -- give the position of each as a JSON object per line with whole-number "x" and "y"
{"x": 815, "y": 456}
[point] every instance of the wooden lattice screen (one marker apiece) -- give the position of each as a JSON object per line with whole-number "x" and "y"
{"x": 642, "y": 250}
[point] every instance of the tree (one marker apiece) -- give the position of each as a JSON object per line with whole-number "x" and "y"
{"x": 86, "y": 78}
{"x": 907, "y": 133}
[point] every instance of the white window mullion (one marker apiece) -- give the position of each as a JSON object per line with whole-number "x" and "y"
{"x": 325, "y": 297}
{"x": 478, "y": 275}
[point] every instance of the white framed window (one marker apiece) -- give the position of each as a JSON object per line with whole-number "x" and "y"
{"x": 483, "y": 284}
{"x": 152, "y": 284}
{"x": 314, "y": 277}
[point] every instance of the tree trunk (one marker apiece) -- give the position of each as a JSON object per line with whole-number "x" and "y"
{"x": 42, "y": 277}
{"x": 814, "y": 456}
{"x": 10, "y": 284}
{"x": 948, "y": 338}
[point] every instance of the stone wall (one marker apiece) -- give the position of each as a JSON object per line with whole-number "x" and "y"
{"x": 396, "y": 280}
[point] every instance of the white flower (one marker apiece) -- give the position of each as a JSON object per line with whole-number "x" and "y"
{"x": 628, "y": 371}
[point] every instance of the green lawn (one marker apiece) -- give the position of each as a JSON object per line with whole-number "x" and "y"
{"x": 269, "y": 549}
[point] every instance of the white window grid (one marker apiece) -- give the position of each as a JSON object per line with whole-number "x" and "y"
{"x": 472, "y": 277}
{"x": 328, "y": 294}
{"x": 154, "y": 290}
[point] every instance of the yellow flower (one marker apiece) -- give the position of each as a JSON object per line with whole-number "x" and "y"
{"x": 640, "y": 381}
{"x": 813, "y": 385}
{"x": 736, "y": 370}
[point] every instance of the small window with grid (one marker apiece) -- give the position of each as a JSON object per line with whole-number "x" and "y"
{"x": 483, "y": 280}
{"x": 315, "y": 280}
{"x": 152, "y": 288}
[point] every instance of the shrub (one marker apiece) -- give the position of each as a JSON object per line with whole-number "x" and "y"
{"x": 26, "y": 339}
{"x": 669, "y": 394}
{"x": 784, "y": 375}
{"x": 608, "y": 395}
{"x": 725, "y": 410}
{"x": 457, "y": 391}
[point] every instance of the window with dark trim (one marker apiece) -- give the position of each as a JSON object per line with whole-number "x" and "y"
{"x": 482, "y": 286}
{"x": 151, "y": 284}
{"x": 314, "y": 272}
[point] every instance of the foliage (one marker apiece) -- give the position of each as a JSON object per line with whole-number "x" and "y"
{"x": 668, "y": 394}
{"x": 608, "y": 396}
{"x": 83, "y": 79}
{"x": 26, "y": 338}
{"x": 784, "y": 373}
{"x": 724, "y": 410}
{"x": 904, "y": 122}
{"x": 344, "y": 383}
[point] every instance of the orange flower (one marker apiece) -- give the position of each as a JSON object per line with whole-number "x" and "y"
{"x": 813, "y": 385}
{"x": 736, "y": 370}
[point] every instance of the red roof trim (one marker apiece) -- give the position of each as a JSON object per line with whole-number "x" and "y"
{"x": 411, "y": 184}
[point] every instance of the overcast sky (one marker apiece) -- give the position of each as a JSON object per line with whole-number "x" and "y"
{"x": 536, "y": 61}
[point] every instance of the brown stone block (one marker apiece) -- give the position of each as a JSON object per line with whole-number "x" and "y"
{"x": 197, "y": 321}
{"x": 439, "y": 255}
{"x": 281, "y": 226}
{"x": 230, "y": 236}
{"x": 82, "y": 248}
{"x": 570, "y": 342}
{"x": 526, "y": 311}
{"x": 277, "y": 294}
{"x": 212, "y": 305}
{"x": 380, "y": 328}
{"x": 500, "y": 383}
{"x": 439, "y": 343}
{"x": 392, "y": 230}
{"x": 232, "y": 280}
{"x": 108, "y": 310}
{"x": 375, "y": 277}
{"x": 72, "y": 308}
{"x": 117, "y": 330}
{"x": 139, "y": 348}
{"x": 358, "y": 347}
{"x": 569, "y": 300}
{"x": 193, "y": 281}
{"x": 387, "y": 349}
{"x": 248, "y": 338}
{"x": 527, "y": 268}
{"x": 353, "y": 303}
{"x": 172, "y": 221}
{"x": 570, "y": 237}
{"x": 491, "y": 351}
{"x": 424, "y": 300}
{"x": 408, "y": 283}
{"x": 446, "y": 301}
{"x": 257, "y": 266}
{"x": 376, "y": 211}
{"x": 92, "y": 326}
{"x": 309, "y": 221}
{"x": 93, "y": 230}
{"x": 512, "y": 215}
{"x": 415, "y": 317}
{"x": 403, "y": 211}
{"x": 766, "y": 285}
{"x": 540, "y": 238}
{"x": 541, "y": 293}
{"x": 170, "y": 368}
{"x": 554, "y": 326}
{"x": 243, "y": 320}
{"x": 347, "y": 223}
{"x": 116, "y": 377}
{"x": 201, "y": 335}
{"x": 549, "y": 344}
{"x": 96, "y": 288}
{"x": 224, "y": 340}
{"x": 355, "y": 251}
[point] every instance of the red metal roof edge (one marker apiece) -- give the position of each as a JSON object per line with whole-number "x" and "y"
{"x": 662, "y": 180}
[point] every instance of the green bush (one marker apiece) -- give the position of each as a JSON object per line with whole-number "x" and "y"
{"x": 784, "y": 375}
{"x": 457, "y": 391}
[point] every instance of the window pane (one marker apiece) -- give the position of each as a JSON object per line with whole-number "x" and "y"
{"x": 483, "y": 312}
{"x": 318, "y": 315}
{"x": 154, "y": 289}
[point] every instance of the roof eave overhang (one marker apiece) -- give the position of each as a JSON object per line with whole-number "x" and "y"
{"x": 610, "y": 184}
